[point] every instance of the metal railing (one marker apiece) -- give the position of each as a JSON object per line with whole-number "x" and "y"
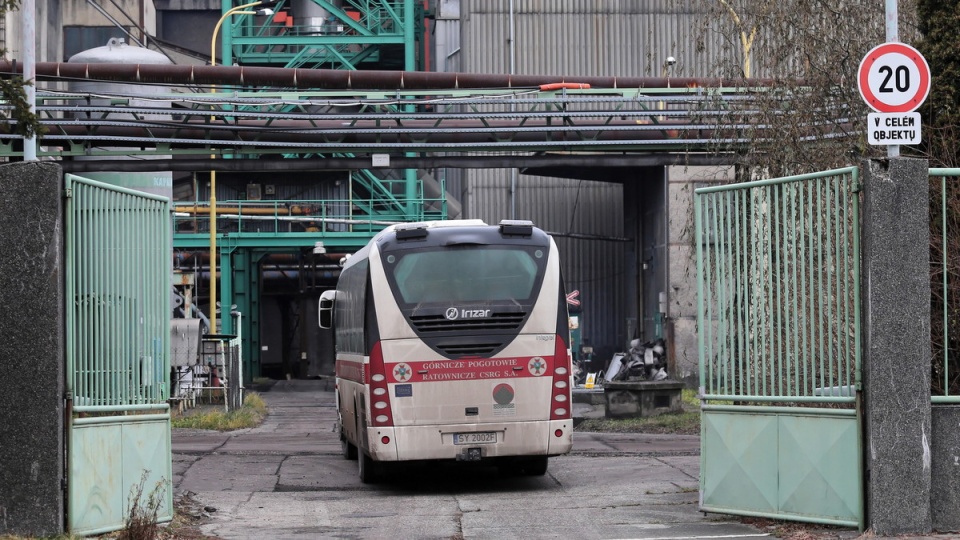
{"x": 302, "y": 216}
{"x": 779, "y": 290}
{"x": 945, "y": 374}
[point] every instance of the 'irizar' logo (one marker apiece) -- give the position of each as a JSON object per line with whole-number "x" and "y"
{"x": 453, "y": 313}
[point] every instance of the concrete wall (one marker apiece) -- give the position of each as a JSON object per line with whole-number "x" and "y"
{"x": 49, "y": 29}
{"x": 32, "y": 350}
{"x": 682, "y": 271}
{"x": 129, "y": 13}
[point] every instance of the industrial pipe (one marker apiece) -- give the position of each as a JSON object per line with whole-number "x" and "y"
{"x": 296, "y": 210}
{"x": 335, "y": 79}
{"x": 396, "y": 162}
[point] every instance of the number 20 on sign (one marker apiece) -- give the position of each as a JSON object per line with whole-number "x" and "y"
{"x": 894, "y": 78}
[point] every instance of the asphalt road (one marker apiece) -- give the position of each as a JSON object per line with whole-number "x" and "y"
{"x": 287, "y": 479}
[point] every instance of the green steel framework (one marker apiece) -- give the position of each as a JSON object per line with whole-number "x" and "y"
{"x": 947, "y": 374}
{"x": 779, "y": 345}
{"x": 118, "y": 348}
{"x": 357, "y": 34}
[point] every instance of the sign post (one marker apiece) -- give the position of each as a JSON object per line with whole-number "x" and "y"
{"x": 894, "y": 80}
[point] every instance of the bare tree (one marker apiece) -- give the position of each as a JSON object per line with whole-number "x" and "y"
{"x": 938, "y": 21}
{"x": 811, "y": 117}
{"x": 941, "y": 145}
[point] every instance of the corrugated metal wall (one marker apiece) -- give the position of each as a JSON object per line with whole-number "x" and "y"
{"x": 591, "y": 38}
{"x": 568, "y": 208}
{"x": 586, "y": 37}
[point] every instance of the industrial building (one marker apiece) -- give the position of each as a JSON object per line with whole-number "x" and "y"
{"x": 622, "y": 221}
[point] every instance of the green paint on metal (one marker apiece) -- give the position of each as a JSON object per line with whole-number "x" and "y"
{"x": 775, "y": 464}
{"x": 778, "y": 311}
{"x": 118, "y": 330}
{"x": 352, "y": 36}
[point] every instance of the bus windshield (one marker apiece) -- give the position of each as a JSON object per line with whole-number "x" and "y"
{"x": 468, "y": 274}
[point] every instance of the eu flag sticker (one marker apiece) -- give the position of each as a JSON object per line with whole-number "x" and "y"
{"x": 403, "y": 390}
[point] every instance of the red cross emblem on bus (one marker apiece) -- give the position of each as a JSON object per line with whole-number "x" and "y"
{"x": 537, "y": 366}
{"x": 402, "y": 372}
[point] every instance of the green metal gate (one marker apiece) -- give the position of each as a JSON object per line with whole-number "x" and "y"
{"x": 118, "y": 245}
{"x": 779, "y": 344}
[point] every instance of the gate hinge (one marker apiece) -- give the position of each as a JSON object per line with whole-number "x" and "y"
{"x": 68, "y": 193}
{"x": 856, "y": 188}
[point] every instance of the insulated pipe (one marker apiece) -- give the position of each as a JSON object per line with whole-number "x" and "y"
{"x": 333, "y": 79}
{"x": 271, "y": 259}
{"x": 413, "y": 132}
{"x": 396, "y": 162}
{"x": 296, "y": 210}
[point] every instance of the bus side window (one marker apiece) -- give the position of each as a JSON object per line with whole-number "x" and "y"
{"x": 325, "y": 308}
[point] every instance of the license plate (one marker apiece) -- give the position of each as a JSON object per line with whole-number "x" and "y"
{"x": 483, "y": 437}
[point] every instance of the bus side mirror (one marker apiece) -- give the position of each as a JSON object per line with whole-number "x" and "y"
{"x": 325, "y": 309}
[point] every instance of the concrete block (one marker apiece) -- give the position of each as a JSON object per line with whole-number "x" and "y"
{"x": 629, "y": 399}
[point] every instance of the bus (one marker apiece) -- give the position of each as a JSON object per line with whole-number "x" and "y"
{"x": 452, "y": 342}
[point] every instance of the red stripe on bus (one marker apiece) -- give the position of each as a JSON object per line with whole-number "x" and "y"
{"x": 350, "y": 370}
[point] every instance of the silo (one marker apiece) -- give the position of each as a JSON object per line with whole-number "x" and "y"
{"x": 312, "y": 19}
{"x": 116, "y": 51}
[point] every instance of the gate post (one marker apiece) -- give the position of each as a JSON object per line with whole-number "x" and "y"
{"x": 32, "y": 349}
{"x": 896, "y": 341}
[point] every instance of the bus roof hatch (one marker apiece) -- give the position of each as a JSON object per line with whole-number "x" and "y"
{"x": 516, "y": 227}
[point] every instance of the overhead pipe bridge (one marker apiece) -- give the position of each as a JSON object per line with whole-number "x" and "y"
{"x": 318, "y": 115}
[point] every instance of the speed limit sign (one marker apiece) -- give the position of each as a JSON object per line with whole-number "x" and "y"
{"x": 894, "y": 78}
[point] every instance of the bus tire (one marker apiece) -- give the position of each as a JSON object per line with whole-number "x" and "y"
{"x": 369, "y": 469}
{"x": 535, "y": 466}
{"x": 347, "y": 448}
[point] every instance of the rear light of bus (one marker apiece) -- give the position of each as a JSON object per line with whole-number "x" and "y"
{"x": 560, "y": 402}
{"x": 379, "y": 393}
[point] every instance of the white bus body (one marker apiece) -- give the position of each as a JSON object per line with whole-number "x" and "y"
{"x": 453, "y": 344}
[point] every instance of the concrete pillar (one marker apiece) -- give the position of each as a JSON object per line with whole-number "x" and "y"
{"x": 896, "y": 356}
{"x": 32, "y": 349}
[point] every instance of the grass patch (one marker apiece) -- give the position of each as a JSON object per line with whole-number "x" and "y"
{"x": 685, "y": 423}
{"x": 251, "y": 414}
{"x": 681, "y": 423}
